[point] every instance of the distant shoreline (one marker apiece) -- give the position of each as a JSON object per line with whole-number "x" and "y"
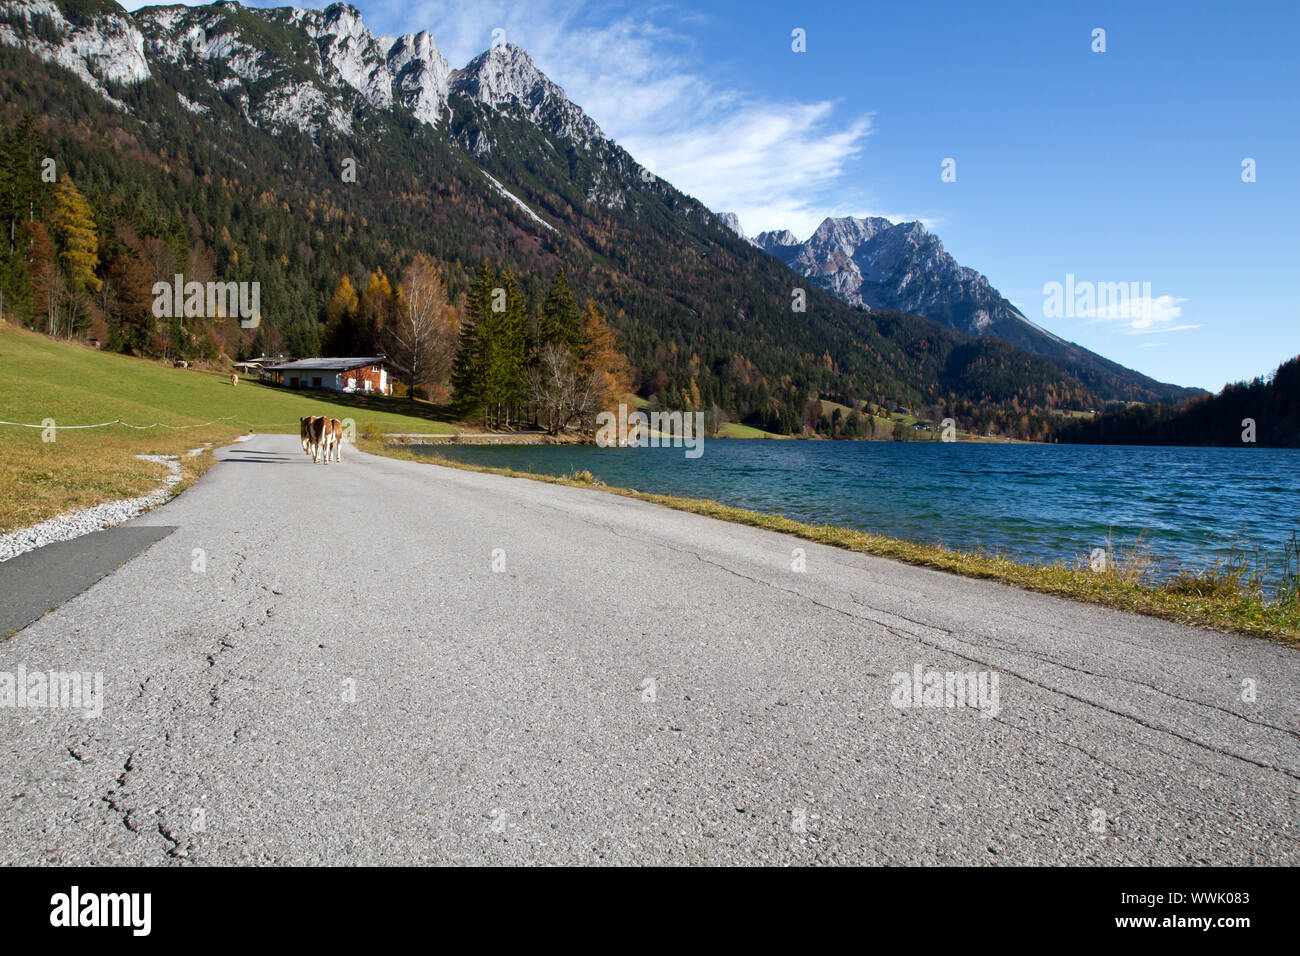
{"x": 536, "y": 438}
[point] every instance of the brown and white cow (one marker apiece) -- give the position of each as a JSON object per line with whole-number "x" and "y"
{"x": 336, "y": 439}
{"x": 317, "y": 435}
{"x": 304, "y": 432}
{"x": 321, "y": 437}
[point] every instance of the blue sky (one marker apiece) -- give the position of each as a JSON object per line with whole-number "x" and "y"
{"x": 1115, "y": 166}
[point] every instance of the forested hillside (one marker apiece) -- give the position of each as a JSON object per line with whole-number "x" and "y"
{"x": 1263, "y": 411}
{"x": 179, "y": 181}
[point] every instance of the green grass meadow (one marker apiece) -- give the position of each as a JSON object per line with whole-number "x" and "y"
{"x": 43, "y": 378}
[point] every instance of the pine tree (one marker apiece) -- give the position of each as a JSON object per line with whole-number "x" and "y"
{"x": 560, "y": 322}
{"x": 23, "y": 195}
{"x": 506, "y": 342}
{"x": 130, "y": 316}
{"x": 469, "y": 376}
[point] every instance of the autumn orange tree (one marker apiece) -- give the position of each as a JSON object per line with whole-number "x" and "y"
{"x": 600, "y": 358}
{"x": 355, "y": 320}
{"x": 47, "y": 285}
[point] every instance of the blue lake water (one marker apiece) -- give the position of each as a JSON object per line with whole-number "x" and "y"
{"x": 1034, "y": 502}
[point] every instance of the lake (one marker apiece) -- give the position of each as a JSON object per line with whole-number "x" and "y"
{"x": 1034, "y": 502}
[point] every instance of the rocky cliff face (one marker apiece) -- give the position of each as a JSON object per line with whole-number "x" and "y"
{"x": 903, "y": 267}
{"x": 505, "y": 78}
{"x": 291, "y": 68}
{"x": 98, "y": 44}
{"x": 732, "y": 222}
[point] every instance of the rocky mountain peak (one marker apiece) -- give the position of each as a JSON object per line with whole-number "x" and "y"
{"x": 877, "y": 264}
{"x": 351, "y": 53}
{"x": 421, "y": 75}
{"x": 345, "y": 20}
{"x": 846, "y": 234}
{"x": 506, "y": 76}
{"x": 775, "y": 238}
{"x": 732, "y": 222}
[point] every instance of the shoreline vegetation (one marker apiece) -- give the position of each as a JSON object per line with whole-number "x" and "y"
{"x": 533, "y": 438}
{"x": 895, "y": 428}
{"x": 1229, "y": 597}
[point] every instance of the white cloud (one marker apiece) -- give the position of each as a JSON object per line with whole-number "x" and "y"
{"x": 1142, "y": 315}
{"x": 764, "y": 162}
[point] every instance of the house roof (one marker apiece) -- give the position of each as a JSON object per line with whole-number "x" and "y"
{"x": 330, "y": 364}
{"x": 264, "y": 360}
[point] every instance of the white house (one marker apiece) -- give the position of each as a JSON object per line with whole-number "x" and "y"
{"x": 364, "y": 374}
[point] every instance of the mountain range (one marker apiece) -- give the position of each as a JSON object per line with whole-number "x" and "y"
{"x": 874, "y": 263}
{"x": 231, "y": 131}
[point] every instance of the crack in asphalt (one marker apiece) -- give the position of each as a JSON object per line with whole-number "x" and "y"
{"x": 110, "y": 797}
{"x": 903, "y": 635}
{"x": 120, "y": 800}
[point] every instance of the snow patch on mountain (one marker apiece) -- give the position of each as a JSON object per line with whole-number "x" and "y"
{"x": 518, "y": 202}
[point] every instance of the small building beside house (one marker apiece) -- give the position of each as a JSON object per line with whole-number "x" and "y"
{"x": 363, "y": 374}
{"x": 255, "y": 366}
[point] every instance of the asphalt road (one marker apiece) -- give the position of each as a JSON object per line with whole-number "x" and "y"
{"x": 37, "y": 581}
{"x": 321, "y": 665}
